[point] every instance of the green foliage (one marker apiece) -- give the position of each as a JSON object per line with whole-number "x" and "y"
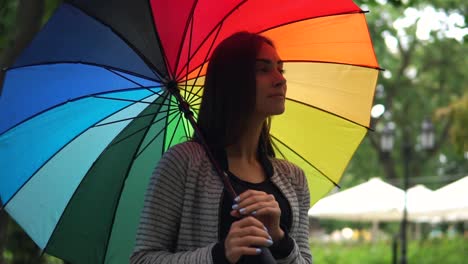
{"x": 447, "y": 251}
{"x": 439, "y": 66}
{"x": 7, "y": 21}
{"x": 8, "y": 10}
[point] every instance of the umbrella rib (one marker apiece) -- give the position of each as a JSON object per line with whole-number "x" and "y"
{"x": 141, "y": 129}
{"x": 133, "y": 118}
{"x": 211, "y": 32}
{"x": 155, "y": 31}
{"x": 187, "y": 24}
{"x": 309, "y": 18}
{"x": 328, "y": 112}
{"x": 333, "y": 62}
{"x": 305, "y": 160}
{"x": 188, "y": 55}
{"x": 132, "y": 81}
{"x": 280, "y": 25}
{"x": 194, "y": 98}
{"x": 206, "y": 57}
{"x": 84, "y": 63}
{"x": 58, "y": 151}
{"x": 127, "y": 100}
{"x": 186, "y": 127}
{"x": 72, "y": 100}
{"x": 175, "y": 130}
{"x": 148, "y": 62}
{"x": 125, "y": 179}
{"x": 159, "y": 133}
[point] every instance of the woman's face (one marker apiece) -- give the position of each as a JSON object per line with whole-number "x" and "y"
{"x": 271, "y": 84}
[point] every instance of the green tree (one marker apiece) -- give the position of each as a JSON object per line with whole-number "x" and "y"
{"x": 422, "y": 75}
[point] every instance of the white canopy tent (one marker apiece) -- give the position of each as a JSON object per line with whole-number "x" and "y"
{"x": 420, "y": 204}
{"x": 377, "y": 201}
{"x": 373, "y": 200}
{"x": 451, "y": 201}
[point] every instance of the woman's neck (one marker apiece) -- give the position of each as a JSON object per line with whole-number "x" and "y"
{"x": 246, "y": 147}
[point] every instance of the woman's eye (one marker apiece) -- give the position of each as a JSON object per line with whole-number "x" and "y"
{"x": 263, "y": 70}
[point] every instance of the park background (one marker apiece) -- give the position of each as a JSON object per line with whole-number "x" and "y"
{"x": 421, "y": 44}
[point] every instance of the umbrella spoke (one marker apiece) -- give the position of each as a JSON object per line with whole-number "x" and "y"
{"x": 129, "y": 89}
{"x": 191, "y": 97}
{"x": 194, "y": 99}
{"x": 177, "y": 126}
{"x": 192, "y": 105}
{"x": 189, "y": 50}
{"x": 133, "y": 118}
{"x": 189, "y": 23}
{"x": 186, "y": 127}
{"x": 305, "y": 160}
{"x": 130, "y": 80}
{"x": 328, "y": 112}
{"x": 160, "y": 131}
{"x": 206, "y": 58}
{"x": 211, "y": 32}
{"x": 143, "y": 128}
{"x": 130, "y": 100}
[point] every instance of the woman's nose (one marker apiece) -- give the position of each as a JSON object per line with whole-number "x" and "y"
{"x": 280, "y": 80}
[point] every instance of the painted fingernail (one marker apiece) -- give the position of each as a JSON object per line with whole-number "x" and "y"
{"x": 235, "y": 206}
{"x": 237, "y": 199}
{"x": 254, "y": 213}
{"x": 242, "y": 210}
{"x": 269, "y": 242}
{"x": 258, "y": 250}
{"x": 270, "y": 238}
{"x": 266, "y": 229}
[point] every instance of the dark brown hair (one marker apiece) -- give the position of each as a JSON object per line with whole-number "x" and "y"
{"x": 229, "y": 94}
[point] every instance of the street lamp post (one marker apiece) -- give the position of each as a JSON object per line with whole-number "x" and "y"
{"x": 386, "y": 144}
{"x": 404, "y": 223}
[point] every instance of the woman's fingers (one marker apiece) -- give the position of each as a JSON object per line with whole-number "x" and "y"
{"x": 262, "y": 206}
{"x": 243, "y": 251}
{"x": 253, "y": 202}
{"x": 251, "y": 241}
{"x": 250, "y": 231}
{"x": 245, "y": 237}
{"x": 252, "y": 196}
{"x": 252, "y": 209}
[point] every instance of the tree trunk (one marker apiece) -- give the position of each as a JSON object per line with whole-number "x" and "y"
{"x": 3, "y": 233}
{"x": 28, "y": 22}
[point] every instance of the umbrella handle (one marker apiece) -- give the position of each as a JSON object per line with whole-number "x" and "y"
{"x": 266, "y": 256}
{"x": 185, "y": 108}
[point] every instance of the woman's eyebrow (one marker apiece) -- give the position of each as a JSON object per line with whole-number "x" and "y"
{"x": 269, "y": 62}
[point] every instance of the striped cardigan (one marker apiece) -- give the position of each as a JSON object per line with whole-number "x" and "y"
{"x": 179, "y": 221}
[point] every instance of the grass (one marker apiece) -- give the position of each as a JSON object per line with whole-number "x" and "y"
{"x": 447, "y": 251}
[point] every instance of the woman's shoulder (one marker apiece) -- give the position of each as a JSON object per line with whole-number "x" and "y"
{"x": 290, "y": 170}
{"x": 187, "y": 150}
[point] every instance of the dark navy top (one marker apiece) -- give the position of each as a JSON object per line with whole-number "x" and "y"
{"x": 280, "y": 249}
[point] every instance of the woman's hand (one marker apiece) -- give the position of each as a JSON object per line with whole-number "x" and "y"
{"x": 244, "y": 238}
{"x": 262, "y": 206}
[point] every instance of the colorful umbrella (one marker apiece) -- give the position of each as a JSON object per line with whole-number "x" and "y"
{"x": 85, "y": 112}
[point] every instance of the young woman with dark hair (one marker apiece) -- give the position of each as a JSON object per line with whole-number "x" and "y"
{"x": 188, "y": 217}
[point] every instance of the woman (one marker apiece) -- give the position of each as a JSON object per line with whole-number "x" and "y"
{"x": 188, "y": 217}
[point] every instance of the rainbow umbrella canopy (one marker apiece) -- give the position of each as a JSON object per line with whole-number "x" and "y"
{"x": 85, "y": 113}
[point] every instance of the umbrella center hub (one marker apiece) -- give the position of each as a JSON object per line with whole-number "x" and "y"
{"x": 172, "y": 87}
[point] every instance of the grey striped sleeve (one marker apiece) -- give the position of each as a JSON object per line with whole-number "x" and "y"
{"x": 161, "y": 215}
